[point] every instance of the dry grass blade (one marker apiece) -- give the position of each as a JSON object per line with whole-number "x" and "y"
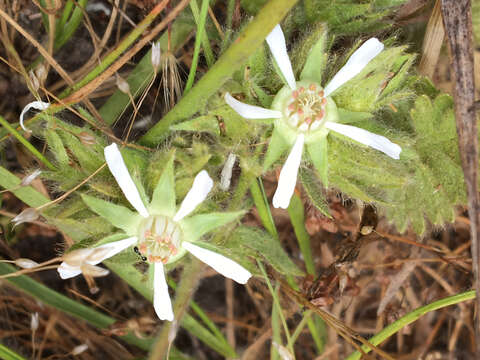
{"x": 94, "y": 84}
{"x": 432, "y": 43}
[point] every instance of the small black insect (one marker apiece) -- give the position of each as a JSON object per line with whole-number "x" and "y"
{"x": 139, "y": 253}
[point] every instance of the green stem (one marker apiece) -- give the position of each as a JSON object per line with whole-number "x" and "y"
{"x": 186, "y": 288}
{"x": 244, "y": 46}
{"x": 412, "y": 317}
{"x": 25, "y": 143}
{"x": 198, "y": 41}
{"x": 260, "y": 200}
{"x": 228, "y": 33}
{"x": 276, "y": 301}
{"x": 204, "y": 317}
{"x": 137, "y": 281}
{"x": 297, "y": 217}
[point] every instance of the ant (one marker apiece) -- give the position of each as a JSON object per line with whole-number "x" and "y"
{"x": 144, "y": 258}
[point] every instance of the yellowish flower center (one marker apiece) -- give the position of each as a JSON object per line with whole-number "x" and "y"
{"x": 159, "y": 238}
{"x": 305, "y": 109}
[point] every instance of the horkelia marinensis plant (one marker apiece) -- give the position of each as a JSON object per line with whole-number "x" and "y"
{"x": 304, "y": 113}
{"x": 161, "y": 233}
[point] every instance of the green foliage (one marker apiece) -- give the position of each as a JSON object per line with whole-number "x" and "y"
{"x": 259, "y": 244}
{"x": 342, "y": 16}
{"x": 436, "y": 181}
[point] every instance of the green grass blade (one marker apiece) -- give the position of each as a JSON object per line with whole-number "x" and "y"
{"x": 7, "y": 354}
{"x": 297, "y": 217}
{"x": 411, "y": 317}
{"x": 198, "y": 41}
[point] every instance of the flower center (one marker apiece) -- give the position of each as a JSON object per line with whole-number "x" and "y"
{"x": 159, "y": 238}
{"x": 305, "y": 109}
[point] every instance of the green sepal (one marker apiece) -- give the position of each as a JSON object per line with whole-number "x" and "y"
{"x": 350, "y": 117}
{"x": 111, "y": 238}
{"x": 264, "y": 246}
{"x": 81, "y": 230}
{"x": 314, "y": 189}
{"x": 206, "y": 123}
{"x": 56, "y": 147}
{"x": 316, "y": 59}
{"x": 163, "y": 199}
{"x": 194, "y": 227}
{"x": 277, "y": 147}
{"x": 318, "y": 152}
{"x": 117, "y": 215}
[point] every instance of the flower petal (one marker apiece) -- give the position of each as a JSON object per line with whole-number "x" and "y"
{"x": 365, "y": 137}
{"x": 199, "y": 191}
{"x": 278, "y": 47}
{"x": 110, "y": 249}
{"x": 288, "y": 175}
{"x": 250, "y": 111}
{"x": 37, "y": 105}
{"x": 359, "y": 59}
{"x": 66, "y": 271}
{"x": 161, "y": 298}
{"x": 220, "y": 263}
{"x": 227, "y": 170}
{"x": 120, "y": 173}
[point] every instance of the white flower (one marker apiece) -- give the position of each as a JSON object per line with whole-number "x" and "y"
{"x": 161, "y": 233}
{"x": 309, "y": 112}
{"x": 37, "y": 105}
{"x": 156, "y": 56}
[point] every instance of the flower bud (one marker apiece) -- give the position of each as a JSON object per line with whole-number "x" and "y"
{"x": 34, "y": 322}
{"x": 41, "y": 73}
{"x": 226, "y": 175}
{"x": 282, "y": 351}
{"x": 34, "y": 80}
{"x": 77, "y": 257}
{"x": 172, "y": 332}
{"x": 27, "y": 180}
{"x": 93, "y": 270}
{"x": 77, "y": 350}
{"x": 86, "y": 138}
{"x": 25, "y": 263}
{"x": 156, "y": 56}
{"x": 98, "y": 254}
{"x": 122, "y": 85}
{"x": 27, "y": 215}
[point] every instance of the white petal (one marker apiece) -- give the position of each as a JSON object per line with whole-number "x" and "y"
{"x": 199, "y": 191}
{"x": 38, "y": 105}
{"x": 66, "y": 271}
{"x": 250, "y": 111}
{"x": 220, "y": 263}
{"x": 278, "y": 47}
{"x": 108, "y": 250}
{"x": 120, "y": 173}
{"x": 161, "y": 298}
{"x": 288, "y": 175}
{"x": 365, "y": 137}
{"x": 359, "y": 59}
